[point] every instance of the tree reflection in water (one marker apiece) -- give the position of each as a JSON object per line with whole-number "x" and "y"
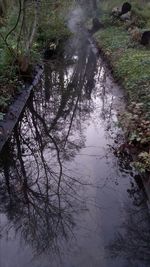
{"x": 132, "y": 241}
{"x": 37, "y": 195}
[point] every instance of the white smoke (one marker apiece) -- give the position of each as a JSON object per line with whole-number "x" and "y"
{"x": 76, "y": 18}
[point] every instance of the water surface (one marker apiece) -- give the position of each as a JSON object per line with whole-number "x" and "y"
{"x": 66, "y": 200}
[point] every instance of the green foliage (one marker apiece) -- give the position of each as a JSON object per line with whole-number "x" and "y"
{"x": 130, "y": 63}
{"x": 108, "y": 5}
{"x": 6, "y": 60}
{"x": 137, "y": 126}
{"x": 113, "y": 38}
{"x": 133, "y": 68}
{"x": 2, "y": 116}
{"x": 137, "y": 123}
{"x": 8, "y": 78}
{"x": 51, "y": 26}
{"x": 54, "y": 30}
{"x": 143, "y": 162}
{"x": 4, "y": 100}
{"x": 142, "y": 11}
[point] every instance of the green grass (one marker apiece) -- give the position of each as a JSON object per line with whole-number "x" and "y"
{"x": 133, "y": 68}
{"x": 130, "y": 63}
{"x": 113, "y": 38}
{"x": 140, "y": 8}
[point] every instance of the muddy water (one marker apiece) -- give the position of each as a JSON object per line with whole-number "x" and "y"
{"x": 66, "y": 200}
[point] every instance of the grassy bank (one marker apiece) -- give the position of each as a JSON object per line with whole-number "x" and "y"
{"x": 130, "y": 64}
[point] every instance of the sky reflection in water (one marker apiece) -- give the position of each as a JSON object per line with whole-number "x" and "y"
{"x": 65, "y": 200}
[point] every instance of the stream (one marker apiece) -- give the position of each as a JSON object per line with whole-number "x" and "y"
{"x": 66, "y": 200}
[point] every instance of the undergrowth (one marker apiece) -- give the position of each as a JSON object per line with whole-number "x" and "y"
{"x": 52, "y": 26}
{"x": 130, "y": 63}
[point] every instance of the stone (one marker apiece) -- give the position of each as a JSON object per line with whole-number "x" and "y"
{"x": 135, "y": 33}
{"x": 115, "y": 11}
{"x": 145, "y": 39}
{"x": 96, "y": 24}
{"x": 126, "y": 16}
{"x": 126, "y": 7}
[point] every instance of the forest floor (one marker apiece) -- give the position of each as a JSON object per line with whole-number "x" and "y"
{"x": 51, "y": 29}
{"x": 130, "y": 64}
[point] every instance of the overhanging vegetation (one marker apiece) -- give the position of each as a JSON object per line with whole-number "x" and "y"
{"x": 26, "y": 28}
